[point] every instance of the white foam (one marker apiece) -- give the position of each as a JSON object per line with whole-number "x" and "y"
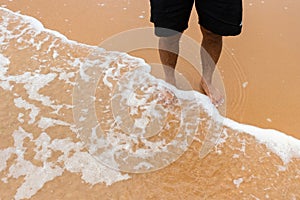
{"x": 4, "y": 61}
{"x": 36, "y": 177}
{"x": 143, "y": 165}
{"x": 4, "y": 156}
{"x": 39, "y": 27}
{"x": 238, "y": 182}
{"x": 32, "y": 83}
{"x": 20, "y": 115}
{"x": 285, "y": 146}
{"x": 21, "y": 103}
{"x": 125, "y": 98}
{"x": 92, "y": 171}
{"x": 46, "y": 122}
{"x": 43, "y": 152}
{"x": 35, "y": 83}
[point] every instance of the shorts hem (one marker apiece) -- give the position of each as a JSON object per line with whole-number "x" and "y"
{"x": 167, "y": 32}
{"x": 219, "y": 27}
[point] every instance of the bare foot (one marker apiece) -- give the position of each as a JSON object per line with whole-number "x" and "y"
{"x": 165, "y": 97}
{"x": 213, "y": 93}
{"x": 171, "y": 80}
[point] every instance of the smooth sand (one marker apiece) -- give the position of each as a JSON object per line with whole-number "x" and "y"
{"x": 261, "y": 89}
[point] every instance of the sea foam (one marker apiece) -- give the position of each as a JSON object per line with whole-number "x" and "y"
{"x": 46, "y": 111}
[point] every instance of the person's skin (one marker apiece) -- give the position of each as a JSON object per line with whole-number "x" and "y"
{"x": 211, "y": 47}
{"x": 168, "y": 52}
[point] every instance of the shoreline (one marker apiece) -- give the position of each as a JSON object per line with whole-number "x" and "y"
{"x": 245, "y": 161}
{"x": 248, "y": 104}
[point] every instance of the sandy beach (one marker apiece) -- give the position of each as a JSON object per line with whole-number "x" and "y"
{"x": 42, "y": 157}
{"x": 266, "y": 51}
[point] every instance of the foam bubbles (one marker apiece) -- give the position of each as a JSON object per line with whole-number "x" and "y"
{"x": 25, "y": 86}
{"x": 49, "y": 110}
{"x": 286, "y": 147}
{"x": 238, "y": 182}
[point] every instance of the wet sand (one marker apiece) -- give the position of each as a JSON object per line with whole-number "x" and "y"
{"x": 266, "y": 51}
{"x": 261, "y": 89}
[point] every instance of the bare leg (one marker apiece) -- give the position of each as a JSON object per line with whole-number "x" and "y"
{"x": 211, "y": 48}
{"x": 168, "y": 51}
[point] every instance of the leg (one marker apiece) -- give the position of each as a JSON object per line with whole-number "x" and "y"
{"x": 220, "y": 18}
{"x": 168, "y": 51}
{"x": 211, "y": 48}
{"x": 170, "y": 18}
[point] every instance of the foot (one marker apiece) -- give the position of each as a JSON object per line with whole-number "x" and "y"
{"x": 171, "y": 80}
{"x": 213, "y": 93}
{"x": 165, "y": 98}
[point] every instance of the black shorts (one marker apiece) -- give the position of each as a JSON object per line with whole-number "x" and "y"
{"x": 222, "y": 17}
